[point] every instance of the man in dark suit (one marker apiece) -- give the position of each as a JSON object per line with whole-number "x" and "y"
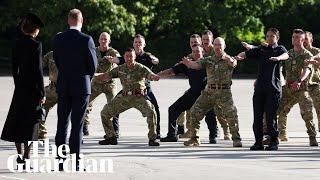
{"x": 76, "y": 60}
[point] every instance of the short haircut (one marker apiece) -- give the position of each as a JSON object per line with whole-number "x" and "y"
{"x": 299, "y": 31}
{"x": 139, "y": 36}
{"x": 275, "y": 31}
{"x": 27, "y": 26}
{"x": 207, "y": 32}
{"x": 309, "y": 34}
{"x": 195, "y": 36}
{"x": 74, "y": 14}
{"x": 129, "y": 49}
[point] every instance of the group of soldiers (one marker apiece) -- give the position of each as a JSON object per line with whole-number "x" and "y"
{"x": 209, "y": 70}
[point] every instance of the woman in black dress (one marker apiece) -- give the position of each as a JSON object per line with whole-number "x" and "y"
{"x": 21, "y": 124}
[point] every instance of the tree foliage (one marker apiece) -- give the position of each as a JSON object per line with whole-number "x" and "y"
{"x": 167, "y": 24}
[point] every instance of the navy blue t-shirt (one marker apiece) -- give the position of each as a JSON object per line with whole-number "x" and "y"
{"x": 269, "y": 71}
{"x": 197, "y": 78}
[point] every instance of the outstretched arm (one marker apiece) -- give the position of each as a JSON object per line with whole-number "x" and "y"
{"x": 231, "y": 61}
{"x": 282, "y": 57}
{"x": 166, "y": 73}
{"x": 190, "y": 64}
{"x": 241, "y": 56}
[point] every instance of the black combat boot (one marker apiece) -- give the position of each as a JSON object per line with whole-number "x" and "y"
{"x": 153, "y": 143}
{"x": 258, "y": 146}
{"x": 169, "y": 139}
{"x": 109, "y": 141}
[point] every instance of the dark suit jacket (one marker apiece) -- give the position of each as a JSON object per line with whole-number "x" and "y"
{"x": 75, "y": 56}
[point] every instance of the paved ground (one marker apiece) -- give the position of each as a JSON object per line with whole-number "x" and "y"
{"x": 133, "y": 159}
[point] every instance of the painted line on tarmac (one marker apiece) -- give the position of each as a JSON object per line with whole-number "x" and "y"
{"x": 13, "y": 178}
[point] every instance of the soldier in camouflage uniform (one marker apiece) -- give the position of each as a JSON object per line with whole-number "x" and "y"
{"x": 197, "y": 81}
{"x": 217, "y": 94}
{"x": 132, "y": 76}
{"x": 314, "y": 82}
{"x": 51, "y": 94}
{"x": 295, "y": 91}
{"x": 109, "y": 89}
{"x": 207, "y": 40}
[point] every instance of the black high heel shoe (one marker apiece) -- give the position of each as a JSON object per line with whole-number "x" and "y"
{"x": 21, "y": 161}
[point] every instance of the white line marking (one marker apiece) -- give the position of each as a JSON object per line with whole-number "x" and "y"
{"x": 12, "y": 178}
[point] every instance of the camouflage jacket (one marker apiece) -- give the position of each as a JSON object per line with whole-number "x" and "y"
{"x": 218, "y": 70}
{"x": 131, "y": 79}
{"x": 295, "y": 64}
{"x": 48, "y": 62}
{"x": 103, "y": 64}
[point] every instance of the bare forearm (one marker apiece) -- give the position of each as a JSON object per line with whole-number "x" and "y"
{"x": 166, "y": 73}
{"x": 283, "y": 56}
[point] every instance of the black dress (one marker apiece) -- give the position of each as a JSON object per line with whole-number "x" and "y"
{"x": 21, "y": 125}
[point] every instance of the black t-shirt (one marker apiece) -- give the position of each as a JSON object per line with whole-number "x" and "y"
{"x": 197, "y": 78}
{"x": 269, "y": 71}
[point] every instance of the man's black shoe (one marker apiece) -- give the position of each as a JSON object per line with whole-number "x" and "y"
{"x": 180, "y": 130}
{"x": 153, "y": 143}
{"x": 212, "y": 140}
{"x": 169, "y": 139}
{"x": 109, "y": 141}
{"x": 257, "y": 147}
{"x": 272, "y": 147}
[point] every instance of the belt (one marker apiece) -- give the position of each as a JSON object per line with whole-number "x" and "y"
{"x": 219, "y": 86}
{"x": 135, "y": 93}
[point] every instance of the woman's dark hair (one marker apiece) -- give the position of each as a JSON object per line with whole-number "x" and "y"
{"x": 275, "y": 31}
{"x": 27, "y": 26}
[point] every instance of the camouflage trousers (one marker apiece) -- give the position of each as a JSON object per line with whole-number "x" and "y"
{"x": 218, "y": 99}
{"x": 185, "y": 118}
{"x": 108, "y": 89}
{"x": 289, "y": 99}
{"x": 314, "y": 92}
{"x": 51, "y": 100}
{"x": 122, "y": 103}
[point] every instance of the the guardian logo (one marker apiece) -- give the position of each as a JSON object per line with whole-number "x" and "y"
{"x": 47, "y": 163}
